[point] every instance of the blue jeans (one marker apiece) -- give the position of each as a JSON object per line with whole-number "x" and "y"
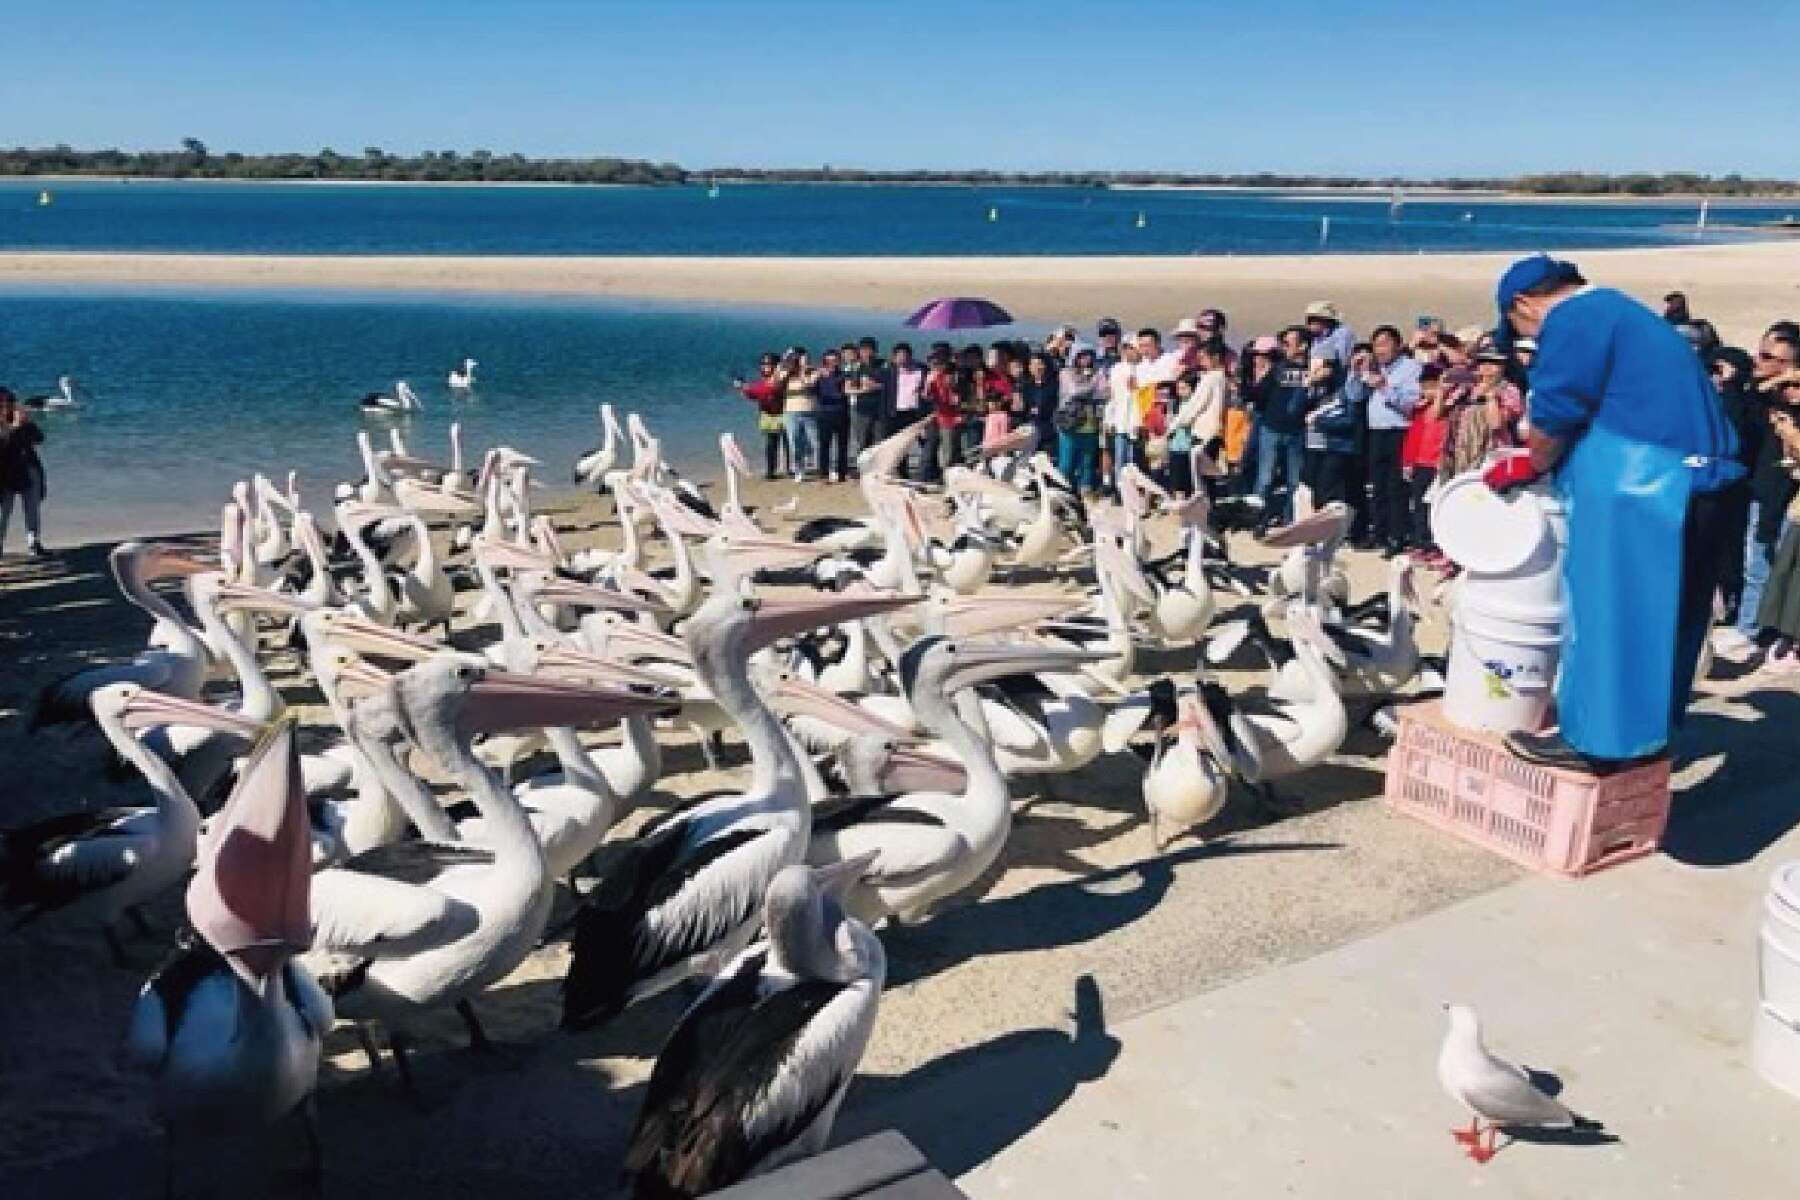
{"x": 1289, "y": 449}
{"x": 803, "y": 439}
{"x": 1757, "y": 558}
{"x": 1078, "y": 458}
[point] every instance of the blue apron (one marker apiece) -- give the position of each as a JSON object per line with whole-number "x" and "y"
{"x": 1627, "y": 664}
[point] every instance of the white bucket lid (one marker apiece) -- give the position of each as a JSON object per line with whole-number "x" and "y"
{"x": 1484, "y": 531}
{"x": 1784, "y": 885}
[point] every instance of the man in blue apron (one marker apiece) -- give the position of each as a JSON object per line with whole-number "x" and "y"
{"x": 1623, "y": 411}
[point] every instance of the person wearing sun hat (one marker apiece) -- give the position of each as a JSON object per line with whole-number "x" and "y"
{"x": 1622, "y": 411}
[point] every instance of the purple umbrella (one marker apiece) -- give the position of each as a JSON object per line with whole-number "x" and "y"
{"x": 959, "y": 312}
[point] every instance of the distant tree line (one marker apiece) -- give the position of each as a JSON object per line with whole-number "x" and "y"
{"x": 194, "y": 161}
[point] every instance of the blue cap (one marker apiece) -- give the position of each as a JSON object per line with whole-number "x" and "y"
{"x": 1522, "y": 276}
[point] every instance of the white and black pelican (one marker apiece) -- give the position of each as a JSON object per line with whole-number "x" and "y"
{"x": 929, "y": 845}
{"x": 593, "y": 467}
{"x": 462, "y": 376}
{"x": 753, "y": 1073}
{"x": 100, "y": 865}
{"x": 62, "y": 397}
{"x": 683, "y": 899}
{"x": 402, "y": 400}
{"x": 230, "y": 1027}
{"x": 175, "y": 661}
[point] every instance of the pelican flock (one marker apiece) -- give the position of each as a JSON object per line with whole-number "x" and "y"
{"x": 890, "y": 678}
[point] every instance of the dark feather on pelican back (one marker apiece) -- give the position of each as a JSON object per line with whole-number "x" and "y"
{"x": 59, "y": 704}
{"x": 417, "y": 862}
{"x": 691, "y": 1137}
{"x": 911, "y": 657}
{"x": 187, "y": 965}
{"x": 691, "y": 498}
{"x": 823, "y": 527}
{"x": 1279, "y": 652}
{"x": 24, "y": 884}
{"x": 613, "y": 948}
{"x": 1217, "y": 700}
{"x": 841, "y": 812}
{"x": 1373, "y": 610}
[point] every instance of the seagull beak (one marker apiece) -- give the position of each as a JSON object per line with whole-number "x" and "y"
{"x": 775, "y": 618}
{"x": 983, "y": 662}
{"x": 146, "y": 709}
{"x": 502, "y": 701}
{"x": 250, "y": 898}
{"x": 796, "y": 697}
{"x": 969, "y": 616}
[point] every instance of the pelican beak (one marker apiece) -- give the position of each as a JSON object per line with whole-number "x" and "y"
{"x": 168, "y": 562}
{"x": 970, "y": 616}
{"x": 881, "y": 459}
{"x": 1193, "y": 511}
{"x": 796, "y": 697}
{"x": 741, "y": 555}
{"x": 505, "y": 556}
{"x": 910, "y": 769}
{"x": 1304, "y": 626}
{"x": 1196, "y": 722}
{"x": 502, "y": 701}
{"x": 250, "y": 897}
{"x": 982, "y": 662}
{"x": 617, "y": 636}
{"x": 980, "y": 483}
{"x": 838, "y": 878}
{"x": 554, "y": 590}
{"x": 378, "y": 641}
{"x": 1013, "y": 442}
{"x": 356, "y": 679}
{"x": 1323, "y": 526}
{"x": 1125, "y": 569}
{"x": 146, "y": 709}
{"x": 579, "y": 664}
{"x": 364, "y": 515}
{"x": 233, "y": 597}
{"x": 1409, "y": 585}
{"x": 775, "y": 618}
{"x": 428, "y": 500}
{"x": 681, "y": 519}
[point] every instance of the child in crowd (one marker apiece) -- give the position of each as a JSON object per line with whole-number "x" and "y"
{"x": 1419, "y": 456}
{"x": 998, "y": 422}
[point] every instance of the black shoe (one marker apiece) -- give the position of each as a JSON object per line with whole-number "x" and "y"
{"x": 38, "y": 551}
{"x": 1550, "y": 750}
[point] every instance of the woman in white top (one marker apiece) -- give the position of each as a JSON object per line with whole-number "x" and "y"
{"x": 1200, "y": 421}
{"x": 1121, "y": 417}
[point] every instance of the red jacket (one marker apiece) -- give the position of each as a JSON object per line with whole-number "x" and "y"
{"x": 1424, "y": 443}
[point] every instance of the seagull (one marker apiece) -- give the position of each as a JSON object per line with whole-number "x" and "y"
{"x": 1492, "y": 1089}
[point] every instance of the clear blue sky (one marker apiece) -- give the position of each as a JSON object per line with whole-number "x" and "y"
{"x": 1372, "y": 86}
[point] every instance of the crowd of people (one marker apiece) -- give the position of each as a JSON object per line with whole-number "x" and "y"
{"x": 1373, "y": 422}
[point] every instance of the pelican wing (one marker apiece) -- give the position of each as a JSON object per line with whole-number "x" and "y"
{"x": 704, "y": 1125}
{"x": 163, "y": 998}
{"x": 909, "y": 843}
{"x": 54, "y": 862}
{"x": 378, "y": 904}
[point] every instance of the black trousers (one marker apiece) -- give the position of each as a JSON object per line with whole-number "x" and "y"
{"x": 1328, "y": 473}
{"x": 1388, "y": 503}
{"x": 1701, "y": 552}
{"x": 834, "y": 435}
{"x": 866, "y": 429}
{"x": 775, "y": 451}
{"x": 1422, "y": 479}
{"x": 1734, "y": 526}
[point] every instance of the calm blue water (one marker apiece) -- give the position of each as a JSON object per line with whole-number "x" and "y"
{"x": 184, "y": 394}
{"x": 800, "y": 220}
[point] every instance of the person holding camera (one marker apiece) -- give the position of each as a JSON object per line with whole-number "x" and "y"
{"x": 21, "y": 472}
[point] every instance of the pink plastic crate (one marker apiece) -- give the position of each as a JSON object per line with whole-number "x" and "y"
{"x": 1564, "y": 822}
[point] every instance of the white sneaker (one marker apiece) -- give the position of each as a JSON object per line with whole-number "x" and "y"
{"x": 836, "y": 478}
{"x": 1731, "y": 643}
{"x": 799, "y": 476}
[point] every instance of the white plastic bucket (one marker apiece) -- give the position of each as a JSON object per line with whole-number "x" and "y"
{"x": 1503, "y": 660}
{"x": 1510, "y": 546}
{"x": 1775, "y": 1046}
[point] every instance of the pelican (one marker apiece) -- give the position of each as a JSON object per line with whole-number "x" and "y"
{"x": 930, "y": 845}
{"x": 1294, "y": 733}
{"x": 462, "y": 378}
{"x": 753, "y": 1074}
{"x": 1181, "y": 611}
{"x": 683, "y": 900}
{"x": 403, "y": 400}
{"x": 103, "y": 864}
{"x": 455, "y": 918}
{"x": 230, "y": 1027}
{"x": 593, "y": 467}
{"x": 176, "y": 659}
{"x": 1188, "y": 778}
{"x": 62, "y": 397}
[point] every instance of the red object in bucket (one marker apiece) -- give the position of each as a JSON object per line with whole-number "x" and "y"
{"x": 1564, "y": 823}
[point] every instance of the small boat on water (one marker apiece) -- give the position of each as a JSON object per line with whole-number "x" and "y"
{"x": 46, "y": 198}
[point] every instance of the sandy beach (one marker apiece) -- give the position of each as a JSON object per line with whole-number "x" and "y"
{"x": 1740, "y": 288}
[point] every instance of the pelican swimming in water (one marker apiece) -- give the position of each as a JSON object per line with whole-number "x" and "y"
{"x": 402, "y": 400}
{"x": 462, "y": 377}
{"x": 753, "y": 1074}
{"x": 62, "y": 397}
{"x": 229, "y": 1027}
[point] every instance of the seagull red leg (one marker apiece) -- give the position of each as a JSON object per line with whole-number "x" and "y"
{"x": 1469, "y": 1136}
{"x": 1482, "y": 1153}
